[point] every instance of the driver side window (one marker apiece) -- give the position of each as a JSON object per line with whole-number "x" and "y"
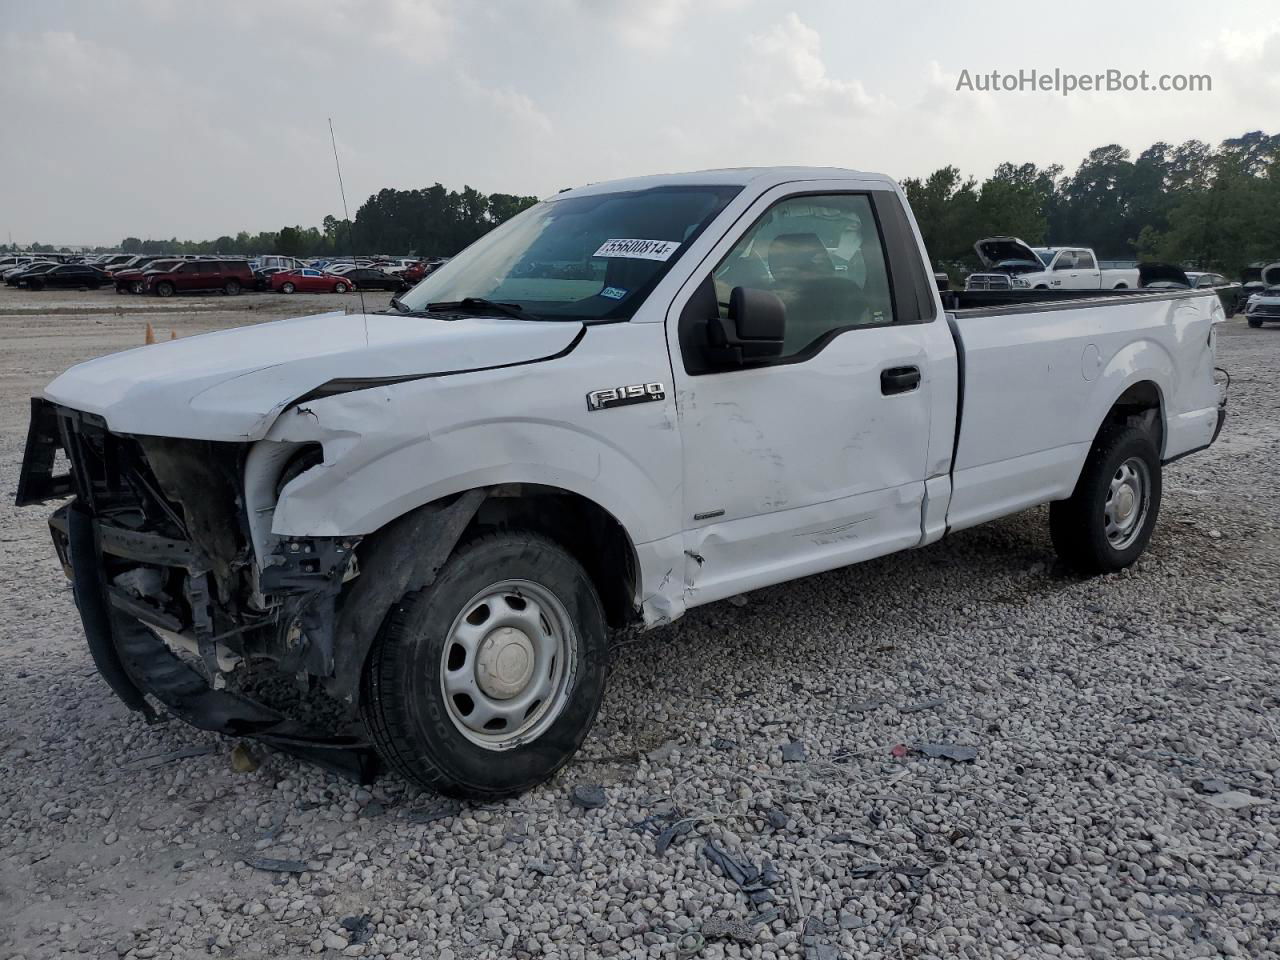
{"x": 823, "y": 257}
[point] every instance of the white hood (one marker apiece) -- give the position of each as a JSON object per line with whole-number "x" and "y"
{"x": 232, "y": 384}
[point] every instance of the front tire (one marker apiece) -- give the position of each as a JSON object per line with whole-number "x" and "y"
{"x": 1109, "y": 518}
{"x": 232, "y": 288}
{"x": 287, "y": 288}
{"x": 1254, "y": 323}
{"x": 339, "y": 288}
{"x": 485, "y": 684}
{"x": 164, "y": 289}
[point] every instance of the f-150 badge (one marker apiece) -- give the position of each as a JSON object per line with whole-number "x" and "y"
{"x": 621, "y": 396}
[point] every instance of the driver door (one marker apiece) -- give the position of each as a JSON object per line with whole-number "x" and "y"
{"x": 818, "y": 457}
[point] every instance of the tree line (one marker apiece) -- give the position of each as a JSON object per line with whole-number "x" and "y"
{"x": 431, "y": 222}
{"x": 1207, "y": 207}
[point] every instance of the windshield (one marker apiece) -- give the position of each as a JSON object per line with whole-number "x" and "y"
{"x": 581, "y": 258}
{"x": 1044, "y": 253}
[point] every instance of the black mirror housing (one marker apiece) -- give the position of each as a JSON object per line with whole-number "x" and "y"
{"x": 754, "y": 330}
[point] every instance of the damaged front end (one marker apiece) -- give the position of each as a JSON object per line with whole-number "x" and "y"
{"x": 179, "y": 615}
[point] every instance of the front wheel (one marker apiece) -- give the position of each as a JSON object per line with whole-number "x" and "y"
{"x": 232, "y": 288}
{"x": 1254, "y": 323}
{"x": 339, "y": 288}
{"x": 1109, "y": 518}
{"x": 485, "y": 684}
{"x": 287, "y": 288}
{"x": 164, "y": 289}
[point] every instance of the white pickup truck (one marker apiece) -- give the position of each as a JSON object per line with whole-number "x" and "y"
{"x": 629, "y": 400}
{"x": 1011, "y": 264}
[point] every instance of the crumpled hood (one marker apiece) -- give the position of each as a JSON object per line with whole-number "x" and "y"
{"x": 232, "y": 384}
{"x": 995, "y": 250}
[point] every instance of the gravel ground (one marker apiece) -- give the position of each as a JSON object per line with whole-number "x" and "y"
{"x": 1122, "y": 800}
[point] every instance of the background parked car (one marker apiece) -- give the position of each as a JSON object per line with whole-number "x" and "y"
{"x": 131, "y": 279}
{"x": 1264, "y": 304}
{"x": 415, "y": 272}
{"x": 308, "y": 280}
{"x": 13, "y": 277}
{"x": 229, "y": 276}
{"x": 15, "y": 261}
{"x": 368, "y": 278}
{"x": 1229, "y": 292}
{"x": 73, "y": 276}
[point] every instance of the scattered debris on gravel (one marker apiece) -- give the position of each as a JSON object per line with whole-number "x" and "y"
{"x": 1105, "y": 780}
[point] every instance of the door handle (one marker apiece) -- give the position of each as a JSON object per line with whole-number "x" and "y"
{"x": 899, "y": 380}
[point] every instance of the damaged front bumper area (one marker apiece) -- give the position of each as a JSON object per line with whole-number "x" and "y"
{"x": 178, "y": 616}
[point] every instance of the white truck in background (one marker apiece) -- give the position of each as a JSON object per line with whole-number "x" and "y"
{"x": 1012, "y": 264}
{"x": 631, "y": 399}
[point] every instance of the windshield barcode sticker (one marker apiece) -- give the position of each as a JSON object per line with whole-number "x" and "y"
{"x": 638, "y": 249}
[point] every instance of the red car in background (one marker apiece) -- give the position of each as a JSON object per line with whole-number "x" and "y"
{"x": 307, "y": 280}
{"x": 415, "y": 272}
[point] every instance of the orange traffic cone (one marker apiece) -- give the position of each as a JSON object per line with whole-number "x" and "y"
{"x": 151, "y": 334}
{"x": 173, "y": 334}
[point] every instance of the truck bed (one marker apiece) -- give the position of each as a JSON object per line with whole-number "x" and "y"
{"x": 1039, "y": 373}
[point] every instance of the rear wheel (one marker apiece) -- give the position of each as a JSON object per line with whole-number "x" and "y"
{"x": 136, "y": 286}
{"x": 1109, "y": 519}
{"x": 486, "y": 683}
{"x": 164, "y": 289}
{"x": 231, "y": 288}
{"x": 287, "y": 287}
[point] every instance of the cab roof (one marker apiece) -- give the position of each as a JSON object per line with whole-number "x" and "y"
{"x": 763, "y": 178}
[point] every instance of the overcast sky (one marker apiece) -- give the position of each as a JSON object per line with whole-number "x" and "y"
{"x": 156, "y": 118}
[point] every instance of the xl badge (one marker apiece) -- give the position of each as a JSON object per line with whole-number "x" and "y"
{"x": 621, "y": 396}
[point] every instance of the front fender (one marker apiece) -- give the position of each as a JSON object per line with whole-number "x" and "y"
{"x": 390, "y": 449}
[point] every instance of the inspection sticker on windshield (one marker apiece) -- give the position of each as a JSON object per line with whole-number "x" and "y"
{"x": 613, "y": 293}
{"x": 638, "y": 249}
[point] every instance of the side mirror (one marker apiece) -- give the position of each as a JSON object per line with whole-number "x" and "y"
{"x": 754, "y": 330}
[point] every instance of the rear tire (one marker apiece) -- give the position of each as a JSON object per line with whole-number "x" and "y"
{"x": 232, "y": 288}
{"x": 1108, "y": 520}
{"x": 513, "y": 609}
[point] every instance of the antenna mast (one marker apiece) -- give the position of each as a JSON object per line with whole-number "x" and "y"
{"x": 345, "y": 216}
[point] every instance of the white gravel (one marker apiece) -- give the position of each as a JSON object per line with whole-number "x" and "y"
{"x": 1095, "y": 707}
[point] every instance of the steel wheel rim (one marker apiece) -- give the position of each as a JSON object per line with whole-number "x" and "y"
{"x": 508, "y": 664}
{"x": 1124, "y": 512}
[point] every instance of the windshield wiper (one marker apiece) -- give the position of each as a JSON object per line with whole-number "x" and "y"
{"x": 398, "y": 304}
{"x": 481, "y": 306}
